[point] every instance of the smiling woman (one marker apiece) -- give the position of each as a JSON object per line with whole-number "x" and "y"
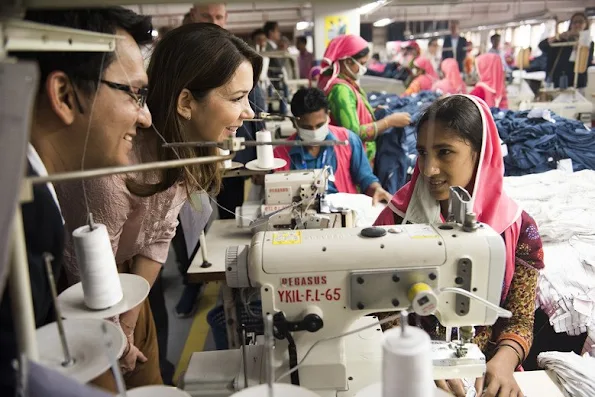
{"x": 199, "y": 78}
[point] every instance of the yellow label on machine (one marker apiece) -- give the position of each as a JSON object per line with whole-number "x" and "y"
{"x": 286, "y": 238}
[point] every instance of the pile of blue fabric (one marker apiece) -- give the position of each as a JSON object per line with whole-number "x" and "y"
{"x": 395, "y": 148}
{"x": 535, "y": 145}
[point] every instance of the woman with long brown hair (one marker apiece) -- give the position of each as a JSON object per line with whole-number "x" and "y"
{"x": 199, "y": 79}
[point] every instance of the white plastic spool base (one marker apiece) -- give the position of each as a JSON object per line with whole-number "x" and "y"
{"x": 72, "y": 304}
{"x": 156, "y": 391}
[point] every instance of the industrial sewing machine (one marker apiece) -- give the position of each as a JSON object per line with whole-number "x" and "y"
{"x": 319, "y": 284}
{"x": 293, "y": 200}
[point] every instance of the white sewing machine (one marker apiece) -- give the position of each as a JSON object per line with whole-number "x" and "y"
{"x": 293, "y": 200}
{"x": 319, "y": 284}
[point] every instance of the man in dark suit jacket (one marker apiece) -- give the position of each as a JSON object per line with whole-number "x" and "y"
{"x": 276, "y": 65}
{"x": 58, "y": 134}
{"x": 455, "y": 46}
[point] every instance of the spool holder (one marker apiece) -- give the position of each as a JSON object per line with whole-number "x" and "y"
{"x": 68, "y": 359}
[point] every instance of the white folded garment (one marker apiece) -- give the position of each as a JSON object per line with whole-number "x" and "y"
{"x": 360, "y": 203}
{"x": 576, "y": 374}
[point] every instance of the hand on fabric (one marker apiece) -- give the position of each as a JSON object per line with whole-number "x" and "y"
{"x": 398, "y": 119}
{"x": 499, "y": 379}
{"x": 453, "y": 386}
{"x": 381, "y": 195}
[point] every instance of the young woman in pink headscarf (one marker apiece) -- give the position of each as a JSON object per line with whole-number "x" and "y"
{"x": 492, "y": 85}
{"x": 458, "y": 145}
{"x": 425, "y": 79}
{"x": 452, "y": 83}
{"x": 342, "y": 66}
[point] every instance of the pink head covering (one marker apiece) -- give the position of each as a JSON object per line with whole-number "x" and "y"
{"x": 491, "y": 78}
{"x": 452, "y": 83}
{"x": 492, "y": 206}
{"x": 426, "y": 80}
{"x": 341, "y": 47}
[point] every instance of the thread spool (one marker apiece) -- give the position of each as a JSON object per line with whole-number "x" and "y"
{"x": 264, "y": 153}
{"x": 97, "y": 267}
{"x": 407, "y": 363}
{"x": 279, "y": 390}
{"x": 226, "y": 163}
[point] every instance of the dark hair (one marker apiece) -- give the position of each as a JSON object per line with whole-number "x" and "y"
{"x": 361, "y": 54}
{"x": 301, "y": 39}
{"x": 582, "y": 14}
{"x": 376, "y": 56}
{"x": 495, "y": 38}
{"x": 269, "y": 27}
{"x": 432, "y": 41}
{"x": 256, "y": 32}
{"x": 199, "y": 57}
{"x": 460, "y": 115}
{"x": 308, "y": 100}
{"x": 187, "y": 18}
{"x": 84, "y": 68}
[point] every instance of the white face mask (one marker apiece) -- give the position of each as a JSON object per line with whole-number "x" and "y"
{"x": 360, "y": 71}
{"x": 316, "y": 135}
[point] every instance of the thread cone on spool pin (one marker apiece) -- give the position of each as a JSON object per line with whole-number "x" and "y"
{"x": 135, "y": 290}
{"x": 265, "y": 159}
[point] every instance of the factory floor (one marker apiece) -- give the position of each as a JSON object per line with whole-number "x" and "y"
{"x": 185, "y": 335}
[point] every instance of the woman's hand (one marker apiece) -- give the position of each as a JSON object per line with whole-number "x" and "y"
{"x": 500, "y": 381}
{"x": 453, "y": 386}
{"x": 131, "y": 356}
{"x": 381, "y": 195}
{"x": 398, "y": 119}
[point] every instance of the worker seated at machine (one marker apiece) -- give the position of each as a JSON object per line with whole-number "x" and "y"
{"x": 458, "y": 145}
{"x": 349, "y": 164}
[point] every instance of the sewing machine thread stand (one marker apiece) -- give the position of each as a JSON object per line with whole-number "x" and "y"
{"x": 48, "y": 258}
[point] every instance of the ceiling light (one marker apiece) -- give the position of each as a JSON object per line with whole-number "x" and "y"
{"x": 302, "y": 25}
{"x": 382, "y": 22}
{"x": 368, "y": 8}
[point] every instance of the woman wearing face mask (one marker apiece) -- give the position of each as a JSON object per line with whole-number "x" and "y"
{"x": 199, "y": 79}
{"x": 560, "y": 60}
{"x": 349, "y": 164}
{"x": 342, "y": 66}
{"x": 425, "y": 76}
{"x": 458, "y": 145}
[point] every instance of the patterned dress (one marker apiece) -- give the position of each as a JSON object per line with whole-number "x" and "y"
{"x": 520, "y": 299}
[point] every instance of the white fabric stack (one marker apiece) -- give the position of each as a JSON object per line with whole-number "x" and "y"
{"x": 563, "y": 205}
{"x": 576, "y": 374}
{"x": 365, "y": 212}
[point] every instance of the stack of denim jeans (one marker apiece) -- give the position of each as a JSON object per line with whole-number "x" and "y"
{"x": 535, "y": 145}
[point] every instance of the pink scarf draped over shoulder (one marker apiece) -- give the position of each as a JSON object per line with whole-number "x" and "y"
{"x": 492, "y": 206}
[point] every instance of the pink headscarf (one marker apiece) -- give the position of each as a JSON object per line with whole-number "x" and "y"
{"x": 491, "y": 79}
{"x": 452, "y": 83}
{"x": 341, "y": 47}
{"x": 490, "y": 203}
{"x": 426, "y": 81}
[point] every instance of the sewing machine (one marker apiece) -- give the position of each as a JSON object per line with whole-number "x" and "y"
{"x": 319, "y": 284}
{"x": 293, "y": 200}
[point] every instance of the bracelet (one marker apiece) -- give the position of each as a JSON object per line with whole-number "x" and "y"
{"x": 375, "y": 130}
{"x": 513, "y": 349}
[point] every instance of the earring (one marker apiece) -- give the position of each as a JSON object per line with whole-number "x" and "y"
{"x": 188, "y": 117}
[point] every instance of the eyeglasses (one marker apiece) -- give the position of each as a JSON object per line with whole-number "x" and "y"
{"x": 138, "y": 94}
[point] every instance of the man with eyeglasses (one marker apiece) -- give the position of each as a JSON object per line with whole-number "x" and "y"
{"x": 94, "y": 96}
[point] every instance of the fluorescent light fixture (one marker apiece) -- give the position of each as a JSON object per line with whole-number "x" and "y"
{"x": 302, "y": 25}
{"x": 368, "y": 8}
{"x": 382, "y": 22}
